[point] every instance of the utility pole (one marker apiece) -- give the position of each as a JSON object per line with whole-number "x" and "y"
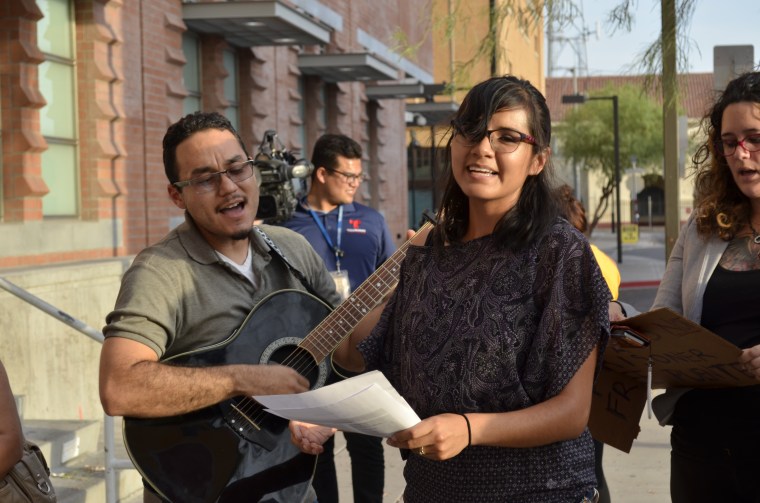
{"x": 615, "y": 121}
{"x": 670, "y": 124}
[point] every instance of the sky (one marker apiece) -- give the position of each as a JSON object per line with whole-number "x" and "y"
{"x": 714, "y": 22}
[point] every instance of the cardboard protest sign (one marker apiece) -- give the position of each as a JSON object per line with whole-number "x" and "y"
{"x": 616, "y": 408}
{"x": 682, "y": 354}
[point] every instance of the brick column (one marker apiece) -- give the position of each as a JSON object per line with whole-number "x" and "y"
{"x": 260, "y": 75}
{"x": 23, "y": 186}
{"x": 161, "y": 27}
{"x": 100, "y": 108}
{"x": 214, "y": 73}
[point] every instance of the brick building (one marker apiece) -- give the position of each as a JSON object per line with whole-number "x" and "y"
{"x": 89, "y": 87}
{"x": 87, "y": 90}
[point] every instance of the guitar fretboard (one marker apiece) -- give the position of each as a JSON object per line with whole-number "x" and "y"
{"x": 340, "y": 322}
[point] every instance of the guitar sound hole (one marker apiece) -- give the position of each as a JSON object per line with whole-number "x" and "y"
{"x": 298, "y": 359}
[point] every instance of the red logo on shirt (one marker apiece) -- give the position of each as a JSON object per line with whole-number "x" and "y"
{"x": 354, "y": 227}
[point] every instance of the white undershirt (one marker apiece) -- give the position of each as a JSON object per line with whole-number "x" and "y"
{"x": 245, "y": 268}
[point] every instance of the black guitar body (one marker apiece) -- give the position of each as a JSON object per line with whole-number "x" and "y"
{"x": 235, "y": 451}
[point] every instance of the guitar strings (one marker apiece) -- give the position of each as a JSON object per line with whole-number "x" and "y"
{"x": 341, "y": 311}
{"x": 251, "y": 411}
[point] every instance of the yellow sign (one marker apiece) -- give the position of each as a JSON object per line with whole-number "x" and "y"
{"x": 629, "y": 233}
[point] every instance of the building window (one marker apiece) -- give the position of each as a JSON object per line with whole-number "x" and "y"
{"x": 191, "y": 73}
{"x": 300, "y": 185}
{"x": 367, "y": 141}
{"x": 231, "y": 88}
{"x": 322, "y": 116}
{"x": 58, "y": 124}
{"x": 424, "y": 176}
{"x": 301, "y": 137}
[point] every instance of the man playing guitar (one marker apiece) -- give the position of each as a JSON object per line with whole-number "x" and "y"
{"x": 189, "y": 293}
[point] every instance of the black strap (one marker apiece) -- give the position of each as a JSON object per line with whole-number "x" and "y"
{"x": 275, "y": 251}
{"x": 428, "y": 216}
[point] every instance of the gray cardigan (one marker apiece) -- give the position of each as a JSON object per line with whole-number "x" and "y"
{"x": 682, "y": 290}
{"x": 690, "y": 266}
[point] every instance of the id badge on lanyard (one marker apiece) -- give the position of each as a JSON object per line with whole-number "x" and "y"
{"x": 341, "y": 283}
{"x": 340, "y": 277}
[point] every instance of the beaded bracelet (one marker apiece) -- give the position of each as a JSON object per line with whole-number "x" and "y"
{"x": 469, "y": 431}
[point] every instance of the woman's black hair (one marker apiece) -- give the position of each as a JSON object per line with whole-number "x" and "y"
{"x": 536, "y": 209}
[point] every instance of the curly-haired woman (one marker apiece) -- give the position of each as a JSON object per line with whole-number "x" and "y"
{"x": 712, "y": 278}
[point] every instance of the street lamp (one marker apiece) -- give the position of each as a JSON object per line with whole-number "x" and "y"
{"x": 582, "y": 98}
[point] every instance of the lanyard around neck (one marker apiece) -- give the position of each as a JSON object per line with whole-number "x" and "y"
{"x": 335, "y": 247}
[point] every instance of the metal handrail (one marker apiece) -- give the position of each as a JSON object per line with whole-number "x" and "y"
{"x": 52, "y": 310}
{"x": 111, "y": 462}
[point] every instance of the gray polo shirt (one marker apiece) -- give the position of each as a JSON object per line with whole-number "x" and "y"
{"x": 178, "y": 295}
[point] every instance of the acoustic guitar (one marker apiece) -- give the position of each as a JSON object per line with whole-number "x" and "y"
{"x": 235, "y": 451}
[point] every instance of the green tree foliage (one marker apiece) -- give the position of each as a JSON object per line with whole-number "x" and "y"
{"x": 586, "y": 137}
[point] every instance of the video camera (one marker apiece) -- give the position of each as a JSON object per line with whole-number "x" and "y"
{"x": 277, "y": 194}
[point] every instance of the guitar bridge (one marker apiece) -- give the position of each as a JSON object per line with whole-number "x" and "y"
{"x": 245, "y": 416}
{"x": 248, "y": 419}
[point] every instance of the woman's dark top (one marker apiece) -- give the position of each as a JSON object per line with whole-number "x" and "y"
{"x": 474, "y": 328}
{"x": 731, "y": 309}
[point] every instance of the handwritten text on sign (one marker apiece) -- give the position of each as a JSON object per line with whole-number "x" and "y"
{"x": 682, "y": 354}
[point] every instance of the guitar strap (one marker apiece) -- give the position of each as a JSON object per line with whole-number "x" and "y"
{"x": 275, "y": 251}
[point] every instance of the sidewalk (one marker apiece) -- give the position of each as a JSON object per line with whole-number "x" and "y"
{"x": 394, "y": 473}
{"x": 643, "y": 262}
{"x": 641, "y": 476}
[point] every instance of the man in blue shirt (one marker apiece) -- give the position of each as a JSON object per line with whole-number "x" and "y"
{"x": 353, "y": 240}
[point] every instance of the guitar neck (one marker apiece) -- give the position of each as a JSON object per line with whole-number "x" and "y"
{"x": 341, "y": 321}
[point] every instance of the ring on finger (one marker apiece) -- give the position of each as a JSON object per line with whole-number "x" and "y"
{"x": 421, "y": 451}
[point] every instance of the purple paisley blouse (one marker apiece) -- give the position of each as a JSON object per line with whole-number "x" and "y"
{"x": 475, "y": 328}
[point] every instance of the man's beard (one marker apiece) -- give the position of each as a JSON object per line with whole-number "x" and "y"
{"x": 239, "y": 236}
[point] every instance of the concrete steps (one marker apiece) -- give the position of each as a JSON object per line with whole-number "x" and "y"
{"x": 75, "y": 454}
{"x": 61, "y": 441}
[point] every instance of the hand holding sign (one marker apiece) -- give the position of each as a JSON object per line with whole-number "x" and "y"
{"x": 681, "y": 353}
{"x": 750, "y": 358}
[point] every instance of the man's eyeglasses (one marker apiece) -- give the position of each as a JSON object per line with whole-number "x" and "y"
{"x": 727, "y": 146}
{"x": 238, "y": 172}
{"x": 503, "y": 140}
{"x": 350, "y": 178}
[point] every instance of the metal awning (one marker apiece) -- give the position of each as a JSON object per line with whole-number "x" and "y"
{"x": 401, "y": 90}
{"x": 395, "y": 91}
{"x": 375, "y": 46}
{"x": 346, "y": 67}
{"x": 434, "y": 112}
{"x": 255, "y": 23}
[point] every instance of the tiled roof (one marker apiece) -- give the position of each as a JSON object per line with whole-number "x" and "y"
{"x": 697, "y": 91}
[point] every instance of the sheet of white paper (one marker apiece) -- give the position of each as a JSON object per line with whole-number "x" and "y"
{"x": 367, "y": 404}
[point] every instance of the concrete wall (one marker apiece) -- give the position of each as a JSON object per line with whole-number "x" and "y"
{"x": 54, "y": 366}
